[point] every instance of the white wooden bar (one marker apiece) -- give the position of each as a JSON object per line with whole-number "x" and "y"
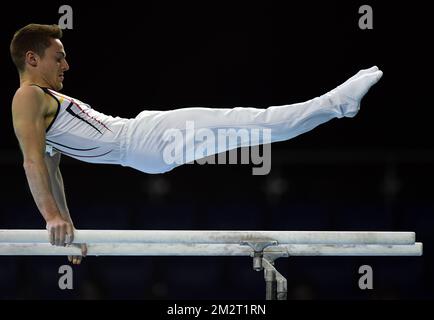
{"x": 157, "y": 249}
{"x": 209, "y": 237}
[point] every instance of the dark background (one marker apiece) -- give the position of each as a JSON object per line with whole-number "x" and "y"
{"x": 372, "y": 172}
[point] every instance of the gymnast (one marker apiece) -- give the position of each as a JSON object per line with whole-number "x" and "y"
{"x": 48, "y": 123}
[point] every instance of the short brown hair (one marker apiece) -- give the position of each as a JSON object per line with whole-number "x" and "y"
{"x": 33, "y": 37}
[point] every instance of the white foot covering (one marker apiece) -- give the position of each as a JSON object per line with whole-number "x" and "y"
{"x": 351, "y": 92}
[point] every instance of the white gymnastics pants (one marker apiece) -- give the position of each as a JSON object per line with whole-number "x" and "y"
{"x": 158, "y": 141}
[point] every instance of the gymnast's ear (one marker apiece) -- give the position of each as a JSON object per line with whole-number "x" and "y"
{"x": 31, "y": 58}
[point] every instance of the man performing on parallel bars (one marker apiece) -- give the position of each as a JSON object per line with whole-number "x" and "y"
{"x": 48, "y": 124}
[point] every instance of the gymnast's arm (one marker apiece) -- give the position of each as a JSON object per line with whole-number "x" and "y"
{"x": 58, "y": 189}
{"x": 28, "y": 113}
{"x": 57, "y": 186}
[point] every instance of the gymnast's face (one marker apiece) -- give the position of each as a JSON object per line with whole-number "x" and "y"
{"x": 52, "y": 66}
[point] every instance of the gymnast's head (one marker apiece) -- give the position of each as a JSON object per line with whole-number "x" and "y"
{"x": 39, "y": 56}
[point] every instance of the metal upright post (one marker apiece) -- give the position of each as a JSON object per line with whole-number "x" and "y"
{"x": 275, "y": 283}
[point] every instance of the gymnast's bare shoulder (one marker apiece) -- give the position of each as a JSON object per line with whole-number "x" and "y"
{"x": 31, "y": 102}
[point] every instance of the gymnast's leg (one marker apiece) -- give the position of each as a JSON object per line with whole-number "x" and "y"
{"x": 147, "y": 137}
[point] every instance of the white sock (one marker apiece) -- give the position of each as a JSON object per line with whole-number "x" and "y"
{"x": 351, "y": 92}
{"x": 363, "y": 72}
